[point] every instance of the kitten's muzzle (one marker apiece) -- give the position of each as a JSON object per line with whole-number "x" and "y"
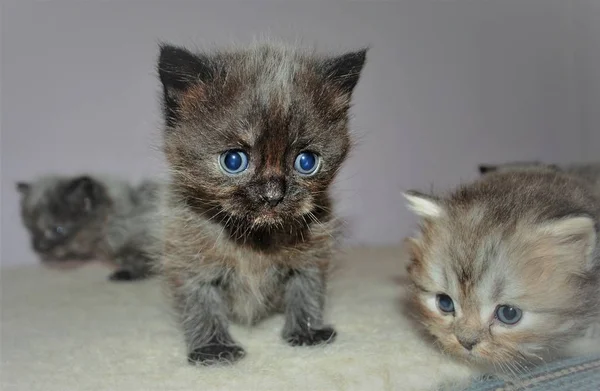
{"x": 42, "y": 245}
{"x": 272, "y": 191}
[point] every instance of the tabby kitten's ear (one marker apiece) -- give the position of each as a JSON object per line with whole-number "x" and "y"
{"x": 570, "y": 240}
{"x": 23, "y": 188}
{"x": 424, "y": 205}
{"x": 344, "y": 70}
{"x": 178, "y": 70}
{"x": 81, "y": 193}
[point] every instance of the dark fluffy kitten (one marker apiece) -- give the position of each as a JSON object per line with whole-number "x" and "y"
{"x": 91, "y": 218}
{"x": 254, "y": 137}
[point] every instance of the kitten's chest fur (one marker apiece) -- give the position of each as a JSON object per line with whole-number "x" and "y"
{"x": 253, "y": 282}
{"x": 253, "y": 289}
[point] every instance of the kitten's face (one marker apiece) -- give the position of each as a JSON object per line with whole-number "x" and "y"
{"x": 258, "y": 141}
{"x": 58, "y": 214}
{"x": 499, "y": 295}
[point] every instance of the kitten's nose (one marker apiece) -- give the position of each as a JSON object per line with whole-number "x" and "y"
{"x": 273, "y": 191}
{"x": 273, "y": 201}
{"x": 467, "y": 343}
{"x": 41, "y": 245}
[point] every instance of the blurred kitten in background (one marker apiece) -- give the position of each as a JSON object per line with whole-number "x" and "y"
{"x": 506, "y": 270}
{"x": 91, "y": 218}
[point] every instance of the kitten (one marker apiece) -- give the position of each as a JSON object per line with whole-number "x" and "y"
{"x": 254, "y": 138}
{"x": 506, "y": 269}
{"x": 89, "y": 218}
{"x": 589, "y": 172}
{"x": 519, "y": 165}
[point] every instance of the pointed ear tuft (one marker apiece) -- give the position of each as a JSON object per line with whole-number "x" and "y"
{"x": 570, "y": 229}
{"x": 178, "y": 70}
{"x": 345, "y": 70}
{"x": 81, "y": 193}
{"x": 424, "y": 205}
{"x": 576, "y": 235}
{"x": 23, "y": 187}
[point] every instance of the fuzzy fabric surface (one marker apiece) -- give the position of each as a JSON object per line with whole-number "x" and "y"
{"x": 74, "y": 330}
{"x": 575, "y": 373}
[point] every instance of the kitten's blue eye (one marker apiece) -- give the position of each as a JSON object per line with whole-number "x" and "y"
{"x": 508, "y": 315}
{"x": 445, "y": 303}
{"x": 55, "y": 231}
{"x": 234, "y": 161}
{"x": 306, "y": 163}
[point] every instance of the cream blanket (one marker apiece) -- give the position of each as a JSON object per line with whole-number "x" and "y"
{"x": 74, "y": 330}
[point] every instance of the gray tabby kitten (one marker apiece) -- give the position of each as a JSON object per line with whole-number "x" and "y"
{"x": 254, "y": 137}
{"x": 506, "y": 270}
{"x": 589, "y": 172}
{"x": 91, "y": 218}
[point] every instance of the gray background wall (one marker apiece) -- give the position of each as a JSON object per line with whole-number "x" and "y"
{"x": 448, "y": 84}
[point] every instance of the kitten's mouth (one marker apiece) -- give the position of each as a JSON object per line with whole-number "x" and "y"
{"x": 268, "y": 218}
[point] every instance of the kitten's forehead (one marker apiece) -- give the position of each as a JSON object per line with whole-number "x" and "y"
{"x": 275, "y": 72}
{"x": 465, "y": 254}
{"x": 494, "y": 264}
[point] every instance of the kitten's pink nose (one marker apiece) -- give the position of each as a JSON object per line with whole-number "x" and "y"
{"x": 467, "y": 343}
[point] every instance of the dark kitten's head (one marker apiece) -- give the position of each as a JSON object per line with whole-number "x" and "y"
{"x": 63, "y": 216}
{"x": 254, "y": 137}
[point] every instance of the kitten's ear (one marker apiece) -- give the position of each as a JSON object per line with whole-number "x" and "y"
{"x": 576, "y": 236}
{"x": 423, "y": 205}
{"x": 487, "y": 168}
{"x": 344, "y": 70}
{"x": 23, "y": 187}
{"x": 81, "y": 193}
{"x": 178, "y": 70}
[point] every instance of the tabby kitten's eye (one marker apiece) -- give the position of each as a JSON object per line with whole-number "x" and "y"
{"x": 307, "y": 163}
{"x": 445, "y": 303}
{"x": 55, "y": 231}
{"x": 508, "y": 315}
{"x": 234, "y": 161}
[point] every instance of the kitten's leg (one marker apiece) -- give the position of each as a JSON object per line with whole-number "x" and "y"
{"x": 132, "y": 264}
{"x": 204, "y": 323}
{"x": 304, "y": 300}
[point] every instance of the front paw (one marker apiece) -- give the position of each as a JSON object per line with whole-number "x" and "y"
{"x": 216, "y": 354}
{"x": 126, "y": 275}
{"x": 311, "y": 337}
{"x": 122, "y": 275}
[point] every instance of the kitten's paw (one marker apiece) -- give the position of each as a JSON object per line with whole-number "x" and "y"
{"x": 311, "y": 337}
{"x": 125, "y": 275}
{"x": 216, "y": 354}
{"x": 121, "y": 275}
